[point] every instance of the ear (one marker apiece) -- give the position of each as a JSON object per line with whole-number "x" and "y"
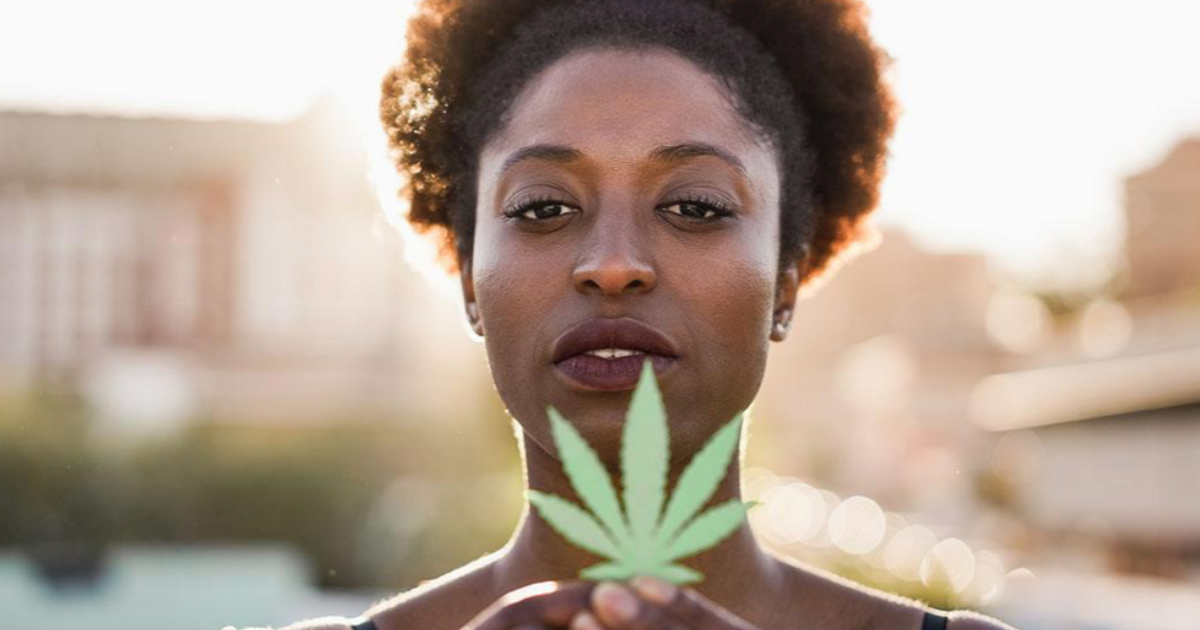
{"x": 469, "y": 304}
{"x": 786, "y": 289}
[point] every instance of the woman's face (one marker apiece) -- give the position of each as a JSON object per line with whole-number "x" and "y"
{"x": 632, "y": 147}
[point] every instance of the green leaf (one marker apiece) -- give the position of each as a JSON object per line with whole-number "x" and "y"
{"x": 635, "y": 540}
{"x": 645, "y": 451}
{"x": 708, "y": 529}
{"x": 700, "y": 479}
{"x": 677, "y": 574}
{"x": 588, "y": 476}
{"x": 607, "y": 571}
{"x": 574, "y": 524}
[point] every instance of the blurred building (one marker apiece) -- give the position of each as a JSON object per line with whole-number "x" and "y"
{"x": 1082, "y": 454}
{"x": 1099, "y": 435}
{"x": 878, "y": 366}
{"x": 1163, "y": 221}
{"x": 176, "y": 268}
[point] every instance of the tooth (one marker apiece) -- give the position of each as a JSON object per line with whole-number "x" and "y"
{"x": 613, "y": 353}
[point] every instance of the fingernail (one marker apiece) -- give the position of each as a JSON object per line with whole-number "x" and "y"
{"x": 585, "y": 621}
{"x": 654, "y": 589}
{"x": 620, "y": 602}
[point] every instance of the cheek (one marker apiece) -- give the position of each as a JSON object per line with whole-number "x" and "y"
{"x": 736, "y": 289}
{"x": 735, "y": 297}
{"x": 726, "y": 307}
{"x": 511, "y": 271}
{"x": 504, "y": 291}
{"x": 515, "y": 286}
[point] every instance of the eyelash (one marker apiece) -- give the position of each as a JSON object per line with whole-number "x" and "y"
{"x": 719, "y": 208}
{"x": 515, "y": 211}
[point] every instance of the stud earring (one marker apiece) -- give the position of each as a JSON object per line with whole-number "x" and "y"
{"x": 779, "y": 330}
{"x": 473, "y": 318}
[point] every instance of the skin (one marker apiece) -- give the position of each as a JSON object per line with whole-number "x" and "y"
{"x": 619, "y": 246}
{"x": 622, "y": 248}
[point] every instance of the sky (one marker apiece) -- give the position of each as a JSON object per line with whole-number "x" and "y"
{"x": 1020, "y": 118}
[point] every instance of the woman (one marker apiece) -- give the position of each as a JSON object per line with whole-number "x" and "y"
{"x": 656, "y": 176}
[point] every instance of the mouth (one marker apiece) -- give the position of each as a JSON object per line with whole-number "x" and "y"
{"x": 607, "y": 354}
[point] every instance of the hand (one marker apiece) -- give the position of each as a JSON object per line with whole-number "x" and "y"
{"x": 657, "y": 605}
{"x": 541, "y": 606}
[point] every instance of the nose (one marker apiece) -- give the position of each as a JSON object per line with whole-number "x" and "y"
{"x": 615, "y": 261}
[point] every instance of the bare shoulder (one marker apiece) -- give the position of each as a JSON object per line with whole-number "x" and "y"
{"x": 437, "y": 603}
{"x": 847, "y": 605}
{"x": 322, "y": 623}
{"x": 968, "y": 620}
{"x": 826, "y": 600}
{"x": 449, "y": 601}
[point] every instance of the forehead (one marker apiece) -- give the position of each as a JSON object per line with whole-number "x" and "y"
{"x": 617, "y": 105}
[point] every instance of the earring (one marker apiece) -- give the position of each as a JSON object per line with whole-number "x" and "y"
{"x": 473, "y": 318}
{"x": 779, "y": 329}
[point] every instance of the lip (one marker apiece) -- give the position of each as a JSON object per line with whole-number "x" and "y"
{"x": 593, "y": 373}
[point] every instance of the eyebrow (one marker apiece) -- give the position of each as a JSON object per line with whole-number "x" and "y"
{"x": 667, "y": 153}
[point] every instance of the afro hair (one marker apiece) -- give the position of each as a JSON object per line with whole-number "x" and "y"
{"x": 805, "y": 74}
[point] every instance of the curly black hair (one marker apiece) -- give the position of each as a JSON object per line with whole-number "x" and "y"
{"x": 804, "y": 74}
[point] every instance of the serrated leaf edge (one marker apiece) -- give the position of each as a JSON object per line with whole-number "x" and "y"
{"x": 651, "y": 552}
{"x": 555, "y": 509}
{"x": 589, "y": 477}
{"x": 700, "y": 479}
{"x": 645, "y": 453}
{"x": 723, "y": 519}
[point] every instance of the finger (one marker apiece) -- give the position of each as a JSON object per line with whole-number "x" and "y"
{"x": 539, "y": 605}
{"x": 618, "y": 608}
{"x": 696, "y": 611}
{"x": 585, "y": 621}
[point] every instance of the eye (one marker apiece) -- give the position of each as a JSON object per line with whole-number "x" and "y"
{"x": 699, "y": 208}
{"x": 539, "y": 209}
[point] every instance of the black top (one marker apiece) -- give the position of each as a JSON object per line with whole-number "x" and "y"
{"x": 931, "y": 621}
{"x": 364, "y": 625}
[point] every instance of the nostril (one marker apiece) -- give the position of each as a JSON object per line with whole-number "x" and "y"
{"x": 615, "y": 279}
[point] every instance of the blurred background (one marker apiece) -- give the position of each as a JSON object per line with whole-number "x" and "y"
{"x": 230, "y": 392}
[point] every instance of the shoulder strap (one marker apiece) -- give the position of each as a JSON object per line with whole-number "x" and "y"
{"x": 934, "y": 621}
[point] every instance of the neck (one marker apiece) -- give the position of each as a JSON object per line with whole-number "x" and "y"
{"x": 736, "y": 571}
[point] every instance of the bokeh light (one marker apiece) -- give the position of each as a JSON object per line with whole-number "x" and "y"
{"x": 857, "y": 525}
{"x": 878, "y": 374}
{"x": 796, "y": 512}
{"x": 949, "y": 563}
{"x": 988, "y": 582}
{"x": 968, "y": 371}
{"x": 1105, "y": 329}
{"x": 1018, "y": 322}
{"x": 907, "y": 548}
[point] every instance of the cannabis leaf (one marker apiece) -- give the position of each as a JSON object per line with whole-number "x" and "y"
{"x": 644, "y": 539}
